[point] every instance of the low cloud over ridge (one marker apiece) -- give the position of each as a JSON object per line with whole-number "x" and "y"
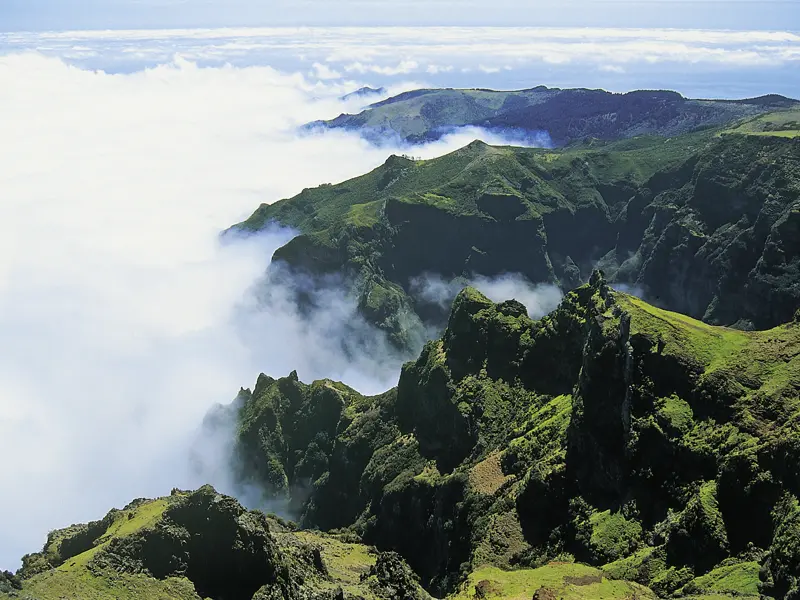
{"x": 124, "y": 317}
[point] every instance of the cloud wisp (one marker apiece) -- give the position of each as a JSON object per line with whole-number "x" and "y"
{"x": 539, "y": 298}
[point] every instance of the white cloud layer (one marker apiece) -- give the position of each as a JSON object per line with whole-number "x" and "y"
{"x": 123, "y": 317}
{"x": 695, "y": 62}
{"x": 419, "y": 47}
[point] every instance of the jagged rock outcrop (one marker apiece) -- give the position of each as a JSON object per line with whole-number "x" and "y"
{"x": 611, "y": 431}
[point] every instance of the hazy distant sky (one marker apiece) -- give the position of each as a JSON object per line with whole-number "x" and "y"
{"x": 18, "y": 15}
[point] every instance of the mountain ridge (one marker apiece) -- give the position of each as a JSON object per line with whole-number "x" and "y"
{"x": 612, "y": 448}
{"x": 566, "y": 115}
{"x": 703, "y": 223}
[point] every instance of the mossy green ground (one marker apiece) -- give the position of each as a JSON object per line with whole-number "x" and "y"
{"x": 740, "y": 579}
{"x": 785, "y": 123}
{"x": 126, "y": 523}
{"x": 347, "y": 563}
{"x": 613, "y": 535}
{"x": 81, "y": 584}
{"x": 767, "y": 360}
{"x": 683, "y": 336}
{"x": 564, "y": 580}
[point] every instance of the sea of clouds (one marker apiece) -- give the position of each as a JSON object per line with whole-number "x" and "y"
{"x": 124, "y": 315}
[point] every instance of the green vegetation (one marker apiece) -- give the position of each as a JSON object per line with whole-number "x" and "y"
{"x": 611, "y": 449}
{"x": 681, "y": 336}
{"x": 610, "y": 432}
{"x": 222, "y": 551}
{"x": 346, "y": 563}
{"x": 703, "y": 224}
{"x": 82, "y": 583}
{"x": 614, "y": 536}
{"x": 62, "y": 574}
{"x": 740, "y": 579}
{"x": 553, "y": 581}
{"x": 566, "y": 115}
{"x": 785, "y": 123}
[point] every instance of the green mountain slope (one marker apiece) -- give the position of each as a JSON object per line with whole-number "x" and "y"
{"x": 566, "y": 114}
{"x": 785, "y": 123}
{"x": 655, "y": 447}
{"x": 706, "y": 224}
{"x": 195, "y": 545}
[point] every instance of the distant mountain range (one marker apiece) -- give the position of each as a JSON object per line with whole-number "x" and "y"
{"x": 565, "y": 114}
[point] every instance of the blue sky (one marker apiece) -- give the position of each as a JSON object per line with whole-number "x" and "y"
{"x": 16, "y": 15}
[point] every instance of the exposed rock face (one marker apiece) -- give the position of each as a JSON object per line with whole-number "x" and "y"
{"x": 622, "y": 434}
{"x": 394, "y": 580}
